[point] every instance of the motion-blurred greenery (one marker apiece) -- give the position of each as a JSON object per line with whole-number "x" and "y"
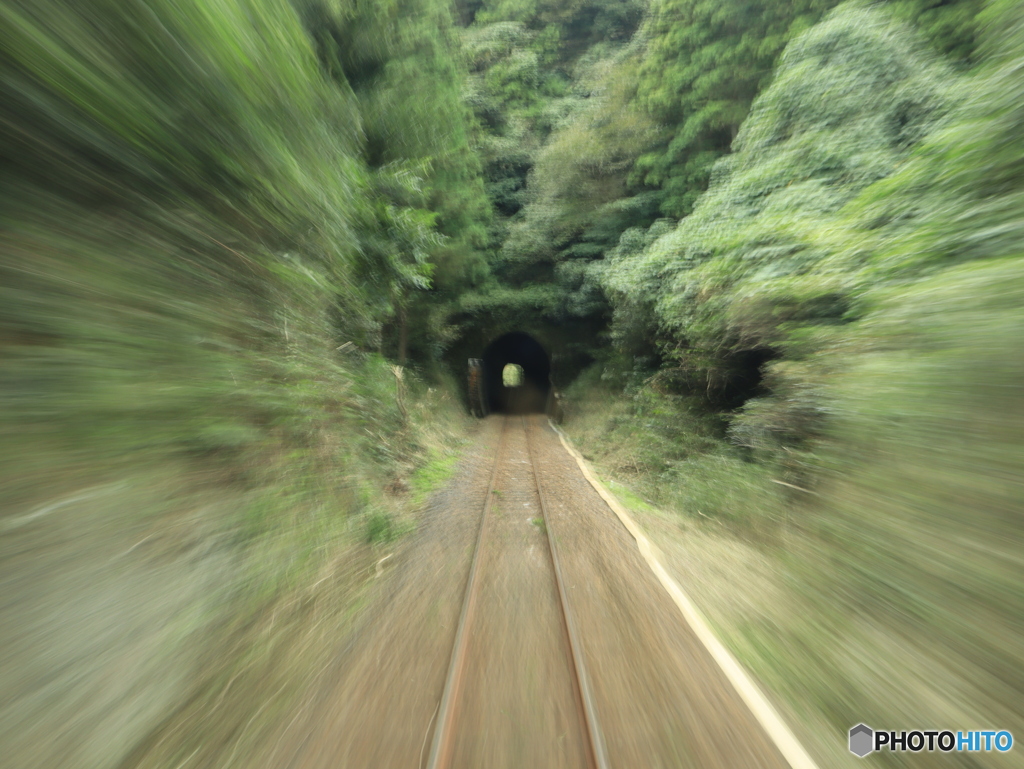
{"x": 211, "y": 222}
{"x": 854, "y": 275}
{"x": 240, "y": 240}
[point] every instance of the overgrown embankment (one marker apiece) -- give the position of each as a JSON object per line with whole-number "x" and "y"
{"x": 887, "y": 592}
{"x": 202, "y": 449}
{"x": 853, "y": 528}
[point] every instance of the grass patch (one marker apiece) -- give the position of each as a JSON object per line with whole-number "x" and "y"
{"x": 434, "y": 473}
{"x": 380, "y": 527}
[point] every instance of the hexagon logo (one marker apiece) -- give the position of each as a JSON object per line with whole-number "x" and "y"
{"x": 862, "y": 740}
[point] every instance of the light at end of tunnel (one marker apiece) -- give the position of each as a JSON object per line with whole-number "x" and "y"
{"x": 512, "y": 375}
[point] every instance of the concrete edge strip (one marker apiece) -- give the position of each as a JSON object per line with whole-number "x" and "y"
{"x": 766, "y": 715}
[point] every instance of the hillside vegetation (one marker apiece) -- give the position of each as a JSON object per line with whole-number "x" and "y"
{"x": 834, "y": 406}
{"x": 213, "y": 218}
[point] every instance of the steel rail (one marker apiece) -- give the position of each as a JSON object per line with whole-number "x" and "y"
{"x": 598, "y": 755}
{"x": 441, "y": 745}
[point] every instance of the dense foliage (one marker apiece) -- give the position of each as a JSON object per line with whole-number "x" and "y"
{"x": 823, "y": 361}
{"x": 848, "y": 179}
{"x": 587, "y": 137}
{"x": 211, "y": 220}
{"x": 788, "y": 233}
{"x": 426, "y": 180}
{"x": 705, "y": 63}
{"x": 755, "y": 266}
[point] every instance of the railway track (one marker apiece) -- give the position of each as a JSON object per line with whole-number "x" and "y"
{"x": 449, "y": 712}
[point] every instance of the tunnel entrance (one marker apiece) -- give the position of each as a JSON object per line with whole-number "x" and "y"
{"x": 738, "y": 377}
{"x": 531, "y": 369}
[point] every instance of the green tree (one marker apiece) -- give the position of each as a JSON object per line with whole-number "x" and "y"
{"x": 579, "y": 197}
{"x": 758, "y": 262}
{"x": 580, "y": 23}
{"x": 402, "y": 60}
{"x": 951, "y": 26}
{"x": 705, "y": 62}
{"x": 960, "y": 198}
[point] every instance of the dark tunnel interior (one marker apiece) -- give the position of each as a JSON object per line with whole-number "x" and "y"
{"x": 740, "y": 379}
{"x": 521, "y": 349}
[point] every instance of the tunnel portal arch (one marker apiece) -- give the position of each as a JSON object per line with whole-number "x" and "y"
{"x": 523, "y": 350}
